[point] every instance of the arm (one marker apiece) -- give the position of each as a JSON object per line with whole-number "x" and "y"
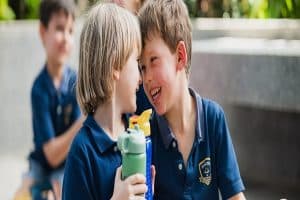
{"x": 239, "y": 196}
{"x": 130, "y": 187}
{"x": 57, "y": 148}
{"x": 229, "y": 179}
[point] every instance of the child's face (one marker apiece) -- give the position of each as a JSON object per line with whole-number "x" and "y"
{"x": 159, "y": 74}
{"x": 58, "y": 37}
{"x": 128, "y": 83}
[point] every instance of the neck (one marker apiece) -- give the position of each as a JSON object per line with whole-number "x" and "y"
{"x": 56, "y": 72}
{"x": 181, "y": 116}
{"x": 109, "y": 117}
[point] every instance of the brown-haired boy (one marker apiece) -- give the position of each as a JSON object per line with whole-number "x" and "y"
{"x": 55, "y": 112}
{"x": 192, "y": 149}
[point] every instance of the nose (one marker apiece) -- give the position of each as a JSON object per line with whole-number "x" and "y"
{"x": 68, "y": 37}
{"x": 147, "y": 75}
{"x": 140, "y": 79}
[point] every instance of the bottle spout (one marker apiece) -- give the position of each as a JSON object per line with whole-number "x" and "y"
{"x": 142, "y": 121}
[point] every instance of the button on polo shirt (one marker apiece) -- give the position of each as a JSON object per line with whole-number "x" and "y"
{"x": 211, "y": 165}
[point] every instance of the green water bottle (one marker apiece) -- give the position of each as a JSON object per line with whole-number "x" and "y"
{"x": 133, "y": 149}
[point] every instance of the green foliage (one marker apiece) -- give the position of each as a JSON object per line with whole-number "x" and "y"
{"x": 244, "y": 8}
{"x": 32, "y": 9}
{"x": 6, "y": 13}
{"x": 192, "y": 7}
{"x": 28, "y": 9}
{"x": 272, "y": 9}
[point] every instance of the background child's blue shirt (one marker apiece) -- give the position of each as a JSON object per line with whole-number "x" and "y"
{"x": 53, "y": 110}
{"x": 211, "y": 165}
{"x": 91, "y": 164}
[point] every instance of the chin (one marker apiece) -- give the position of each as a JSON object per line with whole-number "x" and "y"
{"x": 159, "y": 110}
{"x": 131, "y": 109}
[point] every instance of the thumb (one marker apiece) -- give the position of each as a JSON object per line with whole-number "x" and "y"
{"x": 118, "y": 174}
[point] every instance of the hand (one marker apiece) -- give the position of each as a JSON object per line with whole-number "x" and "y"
{"x": 130, "y": 188}
{"x": 153, "y": 173}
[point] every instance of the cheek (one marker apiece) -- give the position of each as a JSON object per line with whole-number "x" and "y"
{"x": 53, "y": 42}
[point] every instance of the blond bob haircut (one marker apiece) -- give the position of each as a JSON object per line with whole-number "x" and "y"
{"x": 108, "y": 37}
{"x": 168, "y": 19}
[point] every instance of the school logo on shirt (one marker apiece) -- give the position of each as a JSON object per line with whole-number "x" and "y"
{"x": 67, "y": 114}
{"x": 205, "y": 171}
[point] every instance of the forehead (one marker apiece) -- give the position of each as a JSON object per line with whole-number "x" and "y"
{"x": 61, "y": 17}
{"x": 154, "y": 44}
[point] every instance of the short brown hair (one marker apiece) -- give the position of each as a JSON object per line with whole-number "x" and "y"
{"x": 49, "y": 7}
{"x": 170, "y": 20}
{"x": 108, "y": 38}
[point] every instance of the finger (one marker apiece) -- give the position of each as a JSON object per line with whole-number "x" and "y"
{"x": 56, "y": 189}
{"x": 153, "y": 173}
{"x": 139, "y": 189}
{"x": 137, "y": 197}
{"x": 136, "y": 179}
{"x": 118, "y": 174}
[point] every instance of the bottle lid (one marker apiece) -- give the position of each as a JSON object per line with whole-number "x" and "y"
{"x": 142, "y": 121}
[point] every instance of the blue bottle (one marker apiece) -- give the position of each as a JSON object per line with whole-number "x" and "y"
{"x": 144, "y": 124}
{"x": 149, "y": 193}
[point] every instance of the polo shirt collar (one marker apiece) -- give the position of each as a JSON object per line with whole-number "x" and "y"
{"x": 101, "y": 139}
{"x": 166, "y": 132}
{"x": 64, "y": 82}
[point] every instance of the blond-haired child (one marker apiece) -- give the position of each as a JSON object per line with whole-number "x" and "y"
{"x": 108, "y": 78}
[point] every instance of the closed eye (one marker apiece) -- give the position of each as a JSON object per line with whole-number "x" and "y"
{"x": 152, "y": 59}
{"x": 142, "y": 68}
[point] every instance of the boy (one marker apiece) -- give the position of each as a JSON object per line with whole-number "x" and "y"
{"x": 55, "y": 112}
{"x": 192, "y": 150}
{"x": 108, "y": 78}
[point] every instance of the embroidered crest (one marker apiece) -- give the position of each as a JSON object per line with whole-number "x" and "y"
{"x": 205, "y": 171}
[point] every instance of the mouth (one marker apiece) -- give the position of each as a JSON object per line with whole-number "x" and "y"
{"x": 155, "y": 93}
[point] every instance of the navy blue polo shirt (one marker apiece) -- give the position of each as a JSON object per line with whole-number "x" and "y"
{"x": 212, "y": 165}
{"x": 53, "y": 110}
{"x": 91, "y": 164}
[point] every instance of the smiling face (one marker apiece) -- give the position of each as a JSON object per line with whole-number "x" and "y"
{"x": 57, "y": 37}
{"x": 159, "y": 74}
{"x": 128, "y": 80}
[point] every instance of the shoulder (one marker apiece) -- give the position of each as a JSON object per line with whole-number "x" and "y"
{"x": 212, "y": 110}
{"x": 39, "y": 87}
{"x": 80, "y": 143}
{"x": 39, "y": 79}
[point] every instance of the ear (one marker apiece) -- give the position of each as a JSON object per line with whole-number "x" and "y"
{"x": 42, "y": 31}
{"x": 116, "y": 74}
{"x": 181, "y": 55}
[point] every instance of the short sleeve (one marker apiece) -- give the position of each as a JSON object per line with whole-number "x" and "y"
{"x": 229, "y": 180}
{"x": 41, "y": 118}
